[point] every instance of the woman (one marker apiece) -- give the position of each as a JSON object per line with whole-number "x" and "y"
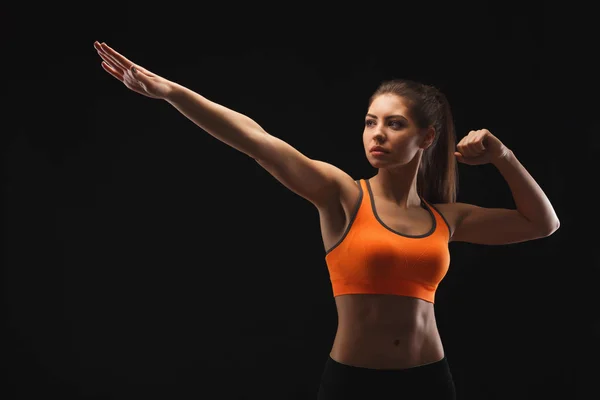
{"x": 386, "y": 238}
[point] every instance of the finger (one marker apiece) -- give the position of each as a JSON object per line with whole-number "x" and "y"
{"x": 476, "y": 148}
{"x": 106, "y": 53}
{"x": 114, "y": 62}
{"x": 480, "y": 146}
{"x": 116, "y": 66}
{"x": 123, "y": 62}
{"x": 467, "y": 152}
{"x": 470, "y": 150}
{"x": 111, "y": 62}
{"x": 476, "y": 143}
{"x": 112, "y": 71}
{"x": 461, "y": 158}
{"x": 464, "y": 148}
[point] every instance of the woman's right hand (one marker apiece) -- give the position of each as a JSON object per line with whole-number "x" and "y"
{"x": 141, "y": 81}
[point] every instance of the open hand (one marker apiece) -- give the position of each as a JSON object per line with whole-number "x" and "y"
{"x": 135, "y": 77}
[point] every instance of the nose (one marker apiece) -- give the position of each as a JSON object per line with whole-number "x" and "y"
{"x": 379, "y": 137}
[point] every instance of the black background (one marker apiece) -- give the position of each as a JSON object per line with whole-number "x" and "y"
{"x": 143, "y": 258}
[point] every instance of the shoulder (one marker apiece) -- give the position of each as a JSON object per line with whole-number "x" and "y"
{"x": 350, "y": 192}
{"x": 451, "y": 213}
{"x": 453, "y": 210}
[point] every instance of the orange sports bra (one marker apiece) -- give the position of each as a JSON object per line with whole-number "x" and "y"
{"x": 371, "y": 257}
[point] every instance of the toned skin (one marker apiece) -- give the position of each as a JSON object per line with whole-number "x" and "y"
{"x": 374, "y": 331}
{"x": 387, "y": 331}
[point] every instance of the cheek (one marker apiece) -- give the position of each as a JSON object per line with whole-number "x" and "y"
{"x": 407, "y": 142}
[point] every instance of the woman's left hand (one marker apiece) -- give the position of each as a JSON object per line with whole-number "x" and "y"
{"x": 480, "y": 147}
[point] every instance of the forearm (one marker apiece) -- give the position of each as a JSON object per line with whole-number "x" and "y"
{"x": 235, "y": 129}
{"x": 530, "y": 199}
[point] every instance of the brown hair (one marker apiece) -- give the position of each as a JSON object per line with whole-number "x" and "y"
{"x": 437, "y": 179}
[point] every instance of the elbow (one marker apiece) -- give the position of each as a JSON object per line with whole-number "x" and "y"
{"x": 556, "y": 225}
{"x": 552, "y": 228}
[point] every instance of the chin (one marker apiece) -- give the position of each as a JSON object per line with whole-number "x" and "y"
{"x": 377, "y": 163}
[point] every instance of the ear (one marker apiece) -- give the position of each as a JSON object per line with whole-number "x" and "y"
{"x": 428, "y": 138}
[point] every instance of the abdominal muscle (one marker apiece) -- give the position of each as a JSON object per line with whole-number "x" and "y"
{"x": 385, "y": 332}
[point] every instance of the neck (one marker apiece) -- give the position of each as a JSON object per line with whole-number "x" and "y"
{"x": 398, "y": 184}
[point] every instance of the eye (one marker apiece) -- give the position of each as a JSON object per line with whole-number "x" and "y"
{"x": 397, "y": 124}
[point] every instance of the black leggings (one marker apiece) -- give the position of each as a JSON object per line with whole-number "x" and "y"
{"x": 424, "y": 382}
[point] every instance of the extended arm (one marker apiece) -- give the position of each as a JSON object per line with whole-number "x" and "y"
{"x": 317, "y": 181}
{"x": 237, "y": 130}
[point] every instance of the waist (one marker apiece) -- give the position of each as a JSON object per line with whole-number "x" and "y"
{"x": 385, "y": 347}
{"x": 385, "y": 337}
{"x": 369, "y": 328}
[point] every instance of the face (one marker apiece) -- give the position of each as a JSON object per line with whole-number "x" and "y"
{"x": 388, "y": 124}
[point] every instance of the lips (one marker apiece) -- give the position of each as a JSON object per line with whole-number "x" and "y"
{"x": 378, "y": 148}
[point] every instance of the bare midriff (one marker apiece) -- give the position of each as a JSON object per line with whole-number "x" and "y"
{"x": 385, "y": 332}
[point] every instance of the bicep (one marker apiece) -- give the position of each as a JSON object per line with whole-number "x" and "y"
{"x": 316, "y": 181}
{"x": 493, "y": 226}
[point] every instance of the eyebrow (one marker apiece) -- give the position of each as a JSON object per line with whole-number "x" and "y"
{"x": 389, "y": 116}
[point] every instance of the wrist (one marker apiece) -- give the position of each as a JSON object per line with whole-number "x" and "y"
{"x": 504, "y": 157}
{"x": 173, "y": 91}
